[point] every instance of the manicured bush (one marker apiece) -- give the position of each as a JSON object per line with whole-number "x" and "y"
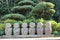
{"x": 2, "y": 26}
{"x": 56, "y": 33}
{"x": 22, "y": 3}
{"x": 42, "y": 20}
{"x": 24, "y": 10}
{"x": 58, "y": 27}
{"x": 13, "y": 16}
{"x": 43, "y": 10}
{"x": 27, "y": 21}
{"x": 20, "y": 22}
{"x": 54, "y": 25}
{"x": 10, "y": 21}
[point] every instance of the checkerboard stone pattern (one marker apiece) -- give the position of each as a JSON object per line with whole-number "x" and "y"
{"x": 48, "y": 29}
{"x": 24, "y": 29}
{"x": 8, "y": 29}
{"x": 40, "y": 28}
{"x": 16, "y": 29}
{"x": 32, "y": 28}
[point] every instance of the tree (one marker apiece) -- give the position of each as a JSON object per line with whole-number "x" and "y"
{"x": 43, "y": 10}
{"x": 56, "y": 16}
{"x": 24, "y": 7}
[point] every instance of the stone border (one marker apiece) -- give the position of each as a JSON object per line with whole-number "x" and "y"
{"x": 25, "y": 36}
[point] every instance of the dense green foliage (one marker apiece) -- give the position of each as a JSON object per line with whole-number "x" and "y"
{"x": 58, "y": 27}
{"x": 21, "y": 3}
{"x": 10, "y": 21}
{"x": 43, "y": 10}
{"x": 54, "y": 25}
{"x": 24, "y": 10}
{"x": 2, "y": 26}
{"x": 1, "y": 33}
{"x": 57, "y": 8}
{"x": 13, "y": 16}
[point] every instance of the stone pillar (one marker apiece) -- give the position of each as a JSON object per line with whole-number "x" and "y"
{"x": 48, "y": 29}
{"x": 32, "y": 28}
{"x": 16, "y": 29}
{"x": 40, "y": 28}
{"x": 24, "y": 29}
{"x": 8, "y": 29}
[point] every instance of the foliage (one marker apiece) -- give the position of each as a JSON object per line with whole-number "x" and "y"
{"x": 58, "y": 27}
{"x": 57, "y": 4}
{"x": 56, "y": 33}
{"x": 24, "y": 10}
{"x": 43, "y": 10}
{"x": 54, "y": 25}
{"x": 27, "y": 21}
{"x": 22, "y": 3}
{"x": 1, "y": 32}
{"x": 2, "y": 26}
{"x": 57, "y": 8}
{"x": 34, "y": 20}
{"x": 36, "y": 1}
{"x": 10, "y": 21}
{"x": 13, "y": 16}
{"x": 20, "y": 22}
{"x": 42, "y": 20}
{"x": 56, "y": 16}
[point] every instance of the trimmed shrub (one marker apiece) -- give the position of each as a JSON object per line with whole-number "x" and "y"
{"x": 20, "y": 22}
{"x": 10, "y": 21}
{"x": 42, "y": 20}
{"x": 56, "y": 33}
{"x": 13, "y": 16}
{"x": 58, "y": 27}
{"x": 54, "y": 25}
{"x": 27, "y": 21}
{"x": 43, "y": 10}
{"x": 24, "y": 10}
{"x": 2, "y": 26}
{"x": 22, "y": 3}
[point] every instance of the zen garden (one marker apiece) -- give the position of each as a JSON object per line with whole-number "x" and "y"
{"x": 29, "y": 18}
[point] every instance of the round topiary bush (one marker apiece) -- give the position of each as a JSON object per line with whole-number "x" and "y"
{"x": 58, "y": 27}
{"x": 24, "y": 10}
{"x": 43, "y": 10}
{"x": 22, "y": 3}
{"x": 53, "y": 25}
{"x": 13, "y": 16}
